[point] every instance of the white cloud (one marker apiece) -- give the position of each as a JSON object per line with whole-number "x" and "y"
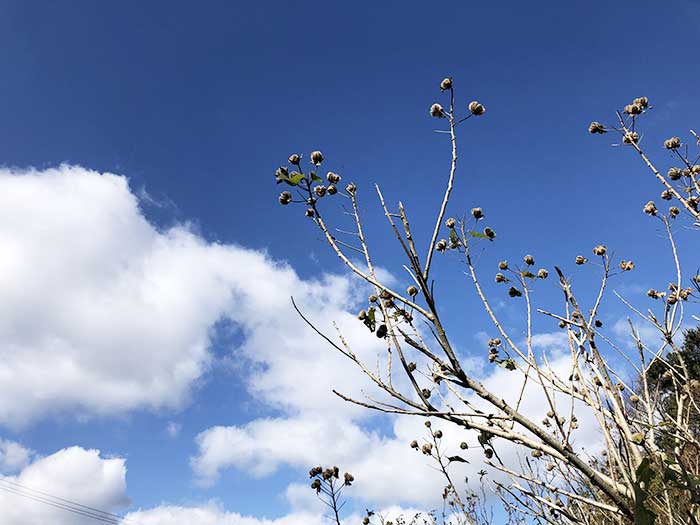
{"x": 72, "y": 473}
{"x": 13, "y": 456}
{"x": 214, "y": 514}
{"x": 173, "y": 429}
{"x": 102, "y": 313}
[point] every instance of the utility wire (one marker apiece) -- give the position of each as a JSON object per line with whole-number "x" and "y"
{"x": 62, "y": 503}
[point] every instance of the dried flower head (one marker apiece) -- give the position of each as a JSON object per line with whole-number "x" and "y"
{"x": 463, "y": 445}
{"x": 294, "y": 159}
{"x": 641, "y": 101}
{"x": 441, "y": 245}
{"x": 672, "y": 143}
{"x": 550, "y": 467}
{"x": 348, "y": 479}
{"x": 382, "y": 331}
{"x": 316, "y": 485}
{"x": 476, "y": 109}
{"x": 626, "y": 266}
{"x": 598, "y": 323}
{"x": 332, "y": 189}
{"x": 411, "y": 366}
{"x": 320, "y": 190}
{"x": 580, "y": 259}
{"x": 600, "y": 250}
{"x": 372, "y": 298}
{"x": 285, "y": 198}
{"x": 529, "y": 260}
{"x": 633, "y": 109}
{"x": 674, "y": 211}
{"x": 631, "y": 137}
{"x": 597, "y": 127}
{"x": 536, "y": 453}
{"x": 426, "y": 393}
{"x": 695, "y": 169}
{"x": 653, "y": 293}
{"x": 514, "y": 292}
{"x": 316, "y": 158}
{"x": 414, "y": 444}
{"x": 666, "y": 195}
{"x": 446, "y": 84}
{"x": 650, "y": 208}
{"x": 494, "y": 342}
{"x": 675, "y": 173}
{"x": 542, "y": 273}
{"x": 351, "y": 188}
{"x": 310, "y": 212}
{"x": 438, "y": 434}
{"x": 477, "y": 213}
{"x": 450, "y": 223}
{"x": 412, "y": 290}
{"x": 362, "y": 315}
{"x": 437, "y": 111}
{"x": 488, "y": 453}
{"x": 500, "y": 278}
{"x": 333, "y": 178}
{"x": 489, "y": 233}
{"x": 634, "y": 398}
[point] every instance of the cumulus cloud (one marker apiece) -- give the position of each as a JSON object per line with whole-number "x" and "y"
{"x": 13, "y": 456}
{"x": 103, "y": 313}
{"x": 72, "y": 473}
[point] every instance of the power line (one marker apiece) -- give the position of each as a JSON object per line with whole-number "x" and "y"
{"x": 62, "y": 503}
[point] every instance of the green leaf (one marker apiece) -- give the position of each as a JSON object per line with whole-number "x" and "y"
{"x": 453, "y": 237}
{"x": 508, "y": 364}
{"x": 315, "y": 178}
{"x": 480, "y": 235}
{"x": 294, "y": 178}
{"x": 642, "y": 515}
{"x": 528, "y": 275}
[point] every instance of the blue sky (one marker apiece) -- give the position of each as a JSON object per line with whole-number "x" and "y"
{"x": 198, "y": 104}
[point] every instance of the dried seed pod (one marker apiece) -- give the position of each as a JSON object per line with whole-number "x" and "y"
{"x": 542, "y": 273}
{"x": 476, "y": 109}
{"x": 631, "y": 137}
{"x": 489, "y": 233}
{"x": 633, "y": 109}
{"x": 626, "y": 266}
{"x": 351, "y": 188}
{"x": 598, "y": 323}
{"x": 550, "y": 467}
{"x": 411, "y": 367}
{"x": 463, "y": 446}
{"x": 437, "y": 111}
{"x": 503, "y": 265}
{"x": 372, "y": 298}
{"x": 477, "y": 213}
{"x": 488, "y": 453}
{"x": 500, "y": 278}
{"x": 333, "y": 178}
{"x": 675, "y": 173}
{"x": 310, "y": 212}
{"x": 362, "y": 315}
{"x": 597, "y": 127}
{"x": 446, "y": 84}
{"x": 285, "y": 198}
{"x": 529, "y": 260}
{"x": 642, "y": 102}
{"x": 295, "y": 159}
{"x": 536, "y": 453}
{"x": 438, "y": 434}
{"x": 412, "y": 291}
{"x": 634, "y": 399}
{"x": 514, "y": 292}
{"x": 672, "y": 143}
{"x": 494, "y": 342}
{"x": 600, "y": 250}
{"x": 450, "y": 223}
{"x": 580, "y": 259}
{"x": 332, "y": 189}
{"x": 382, "y": 331}
{"x": 441, "y": 245}
{"x": 666, "y": 195}
{"x": 316, "y": 158}
{"x": 652, "y": 293}
{"x": 320, "y": 190}
{"x": 650, "y": 208}
{"x": 414, "y": 444}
